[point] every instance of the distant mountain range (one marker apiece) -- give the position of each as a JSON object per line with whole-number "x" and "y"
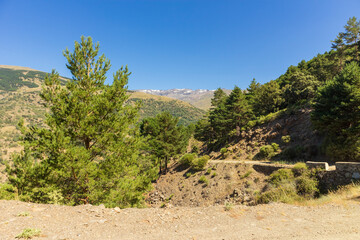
{"x": 200, "y": 98}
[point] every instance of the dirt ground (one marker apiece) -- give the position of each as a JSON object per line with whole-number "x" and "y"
{"x": 272, "y": 221}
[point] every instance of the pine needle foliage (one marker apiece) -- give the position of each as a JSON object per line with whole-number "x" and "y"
{"x": 88, "y": 153}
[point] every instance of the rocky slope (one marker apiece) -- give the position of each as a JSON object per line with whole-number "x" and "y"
{"x": 292, "y": 130}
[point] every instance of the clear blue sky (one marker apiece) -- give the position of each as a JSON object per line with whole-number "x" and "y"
{"x": 175, "y": 43}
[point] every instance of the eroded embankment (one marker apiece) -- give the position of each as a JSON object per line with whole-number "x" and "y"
{"x": 223, "y": 181}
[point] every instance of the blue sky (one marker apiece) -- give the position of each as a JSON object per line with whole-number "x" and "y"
{"x": 175, "y": 43}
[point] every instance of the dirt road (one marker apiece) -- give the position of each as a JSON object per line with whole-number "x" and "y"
{"x": 273, "y": 221}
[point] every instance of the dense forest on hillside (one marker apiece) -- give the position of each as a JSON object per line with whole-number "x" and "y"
{"x": 328, "y": 83}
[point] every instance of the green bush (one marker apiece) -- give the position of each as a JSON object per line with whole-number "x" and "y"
{"x": 299, "y": 169}
{"x": 286, "y": 139}
{"x": 283, "y": 186}
{"x": 203, "y": 179}
{"x": 199, "y": 164}
{"x": 281, "y": 175}
{"x": 224, "y": 152}
{"x": 29, "y": 233}
{"x": 187, "y": 159}
{"x": 307, "y": 186}
{"x": 268, "y": 151}
{"x": 7, "y": 191}
{"x": 275, "y": 146}
{"x": 285, "y": 193}
{"x": 248, "y": 173}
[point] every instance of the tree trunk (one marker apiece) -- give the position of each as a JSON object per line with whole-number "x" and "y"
{"x": 166, "y": 164}
{"x": 160, "y": 171}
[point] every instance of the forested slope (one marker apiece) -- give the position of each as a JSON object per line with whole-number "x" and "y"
{"x": 328, "y": 85}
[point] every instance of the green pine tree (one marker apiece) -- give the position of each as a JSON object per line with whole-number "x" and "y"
{"x": 337, "y": 113}
{"x": 267, "y": 98}
{"x": 166, "y": 139}
{"x": 88, "y": 153}
{"x": 352, "y": 34}
{"x": 239, "y": 111}
{"x": 218, "y": 98}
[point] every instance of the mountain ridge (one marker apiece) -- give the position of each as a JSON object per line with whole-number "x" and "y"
{"x": 200, "y": 98}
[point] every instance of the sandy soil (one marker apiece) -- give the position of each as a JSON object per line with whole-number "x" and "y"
{"x": 273, "y": 221}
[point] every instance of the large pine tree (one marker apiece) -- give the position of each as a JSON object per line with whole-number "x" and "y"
{"x": 88, "y": 153}
{"x": 337, "y": 113}
{"x": 166, "y": 138}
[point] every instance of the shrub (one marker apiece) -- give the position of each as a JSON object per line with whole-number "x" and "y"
{"x": 285, "y": 193}
{"x": 246, "y": 174}
{"x": 188, "y": 174}
{"x": 281, "y": 175}
{"x": 23, "y": 214}
{"x": 228, "y": 206}
{"x": 306, "y": 186}
{"x": 268, "y": 151}
{"x": 203, "y": 179}
{"x": 29, "y": 233}
{"x": 7, "y": 191}
{"x": 275, "y": 146}
{"x": 199, "y": 164}
{"x": 283, "y": 186}
{"x": 187, "y": 159}
{"x": 286, "y": 139}
{"x": 223, "y": 151}
{"x": 208, "y": 171}
{"x": 299, "y": 169}
{"x": 214, "y": 174}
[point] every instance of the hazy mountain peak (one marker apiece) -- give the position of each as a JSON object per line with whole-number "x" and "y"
{"x": 200, "y": 98}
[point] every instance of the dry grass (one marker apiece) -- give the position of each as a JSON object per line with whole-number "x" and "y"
{"x": 344, "y": 195}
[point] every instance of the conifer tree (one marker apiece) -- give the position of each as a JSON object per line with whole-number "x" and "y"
{"x": 337, "y": 113}
{"x": 88, "y": 153}
{"x": 352, "y": 34}
{"x": 165, "y": 138}
{"x": 239, "y": 111}
{"x": 251, "y": 91}
{"x": 302, "y": 88}
{"x": 218, "y": 98}
{"x": 267, "y": 98}
{"x": 339, "y": 46}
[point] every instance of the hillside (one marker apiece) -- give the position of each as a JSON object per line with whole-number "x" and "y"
{"x": 19, "y": 95}
{"x": 152, "y": 105}
{"x": 200, "y": 98}
{"x": 291, "y": 130}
